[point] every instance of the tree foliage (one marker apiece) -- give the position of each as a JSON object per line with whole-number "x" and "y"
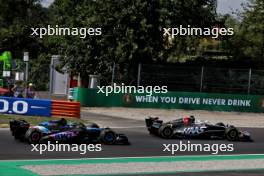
{"x": 16, "y": 20}
{"x": 248, "y": 41}
{"x": 132, "y": 31}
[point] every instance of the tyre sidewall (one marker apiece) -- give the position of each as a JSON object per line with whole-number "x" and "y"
{"x": 166, "y": 131}
{"x": 232, "y": 134}
{"x": 108, "y": 137}
{"x": 34, "y": 136}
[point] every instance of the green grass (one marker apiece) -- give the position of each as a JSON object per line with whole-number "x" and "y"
{"x": 34, "y": 120}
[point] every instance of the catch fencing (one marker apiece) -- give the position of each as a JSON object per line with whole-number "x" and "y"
{"x": 199, "y": 79}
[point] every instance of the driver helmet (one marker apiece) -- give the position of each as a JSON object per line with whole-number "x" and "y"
{"x": 62, "y": 121}
{"x": 188, "y": 120}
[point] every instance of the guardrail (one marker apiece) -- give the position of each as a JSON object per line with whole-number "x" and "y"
{"x": 25, "y": 106}
{"x": 65, "y": 108}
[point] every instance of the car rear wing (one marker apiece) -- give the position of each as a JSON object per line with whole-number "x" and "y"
{"x": 149, "y": 121}
{"x": 19, "y": 126}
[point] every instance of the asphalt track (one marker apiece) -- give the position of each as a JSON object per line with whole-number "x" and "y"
{"x": 142, "y": 144}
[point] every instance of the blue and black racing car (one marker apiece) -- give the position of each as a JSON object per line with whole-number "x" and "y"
{"x": 65, "y": 132}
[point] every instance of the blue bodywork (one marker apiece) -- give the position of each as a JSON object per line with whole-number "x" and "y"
{"x": 66, "y": 132}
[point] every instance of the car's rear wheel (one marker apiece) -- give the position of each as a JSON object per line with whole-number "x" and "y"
{"x": 166, "y": 131}
{"x": 34, "y": 137}
{"x": 232, "y": 134}
{"x": 108, "y": 136}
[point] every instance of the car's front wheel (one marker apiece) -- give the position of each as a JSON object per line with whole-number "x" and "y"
{"x": 108, "y": 136}
{"x": 232, "y": 134}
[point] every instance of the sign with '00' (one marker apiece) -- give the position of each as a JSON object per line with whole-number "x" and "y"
{"x": 24, "y": 106}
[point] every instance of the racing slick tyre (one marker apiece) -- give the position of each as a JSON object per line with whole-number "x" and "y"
{"x": 108, "y": 136}
{"x": 232, "y": 134}
{"x": 166, "y": 131}
{"x": 34, "y": 137}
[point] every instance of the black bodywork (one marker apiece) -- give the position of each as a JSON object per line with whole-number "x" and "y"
{"x": 65, "y": 132}
{"x": 194, "y": 130}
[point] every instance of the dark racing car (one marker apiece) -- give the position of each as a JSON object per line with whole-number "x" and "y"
{"x": 189, "y": 128}
{"x": 65, "y": 132}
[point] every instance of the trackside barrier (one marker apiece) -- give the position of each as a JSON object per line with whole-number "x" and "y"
{"x": 172, "y": 100}
{"x": 37, "y": 107}
{"x": 25, "y": 106}
{"x": 65, "y": 108}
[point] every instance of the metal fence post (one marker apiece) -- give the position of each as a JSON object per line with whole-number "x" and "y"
{"x": 201, "y": 81}
{"x": 139, "y": 74}
{"x": 249, "y": 80}
{"x": 50, "y": 79}
{"x": 113, "y": 74}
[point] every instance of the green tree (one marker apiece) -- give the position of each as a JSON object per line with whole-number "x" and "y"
{"x": 16, "y": 20}
{"x": 248, "y": 41}
{"x": 132, "y": 32}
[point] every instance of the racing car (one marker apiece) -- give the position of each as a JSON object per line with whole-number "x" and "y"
{"x": 65, "y": 132}
{"x": 190, "y": 128}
